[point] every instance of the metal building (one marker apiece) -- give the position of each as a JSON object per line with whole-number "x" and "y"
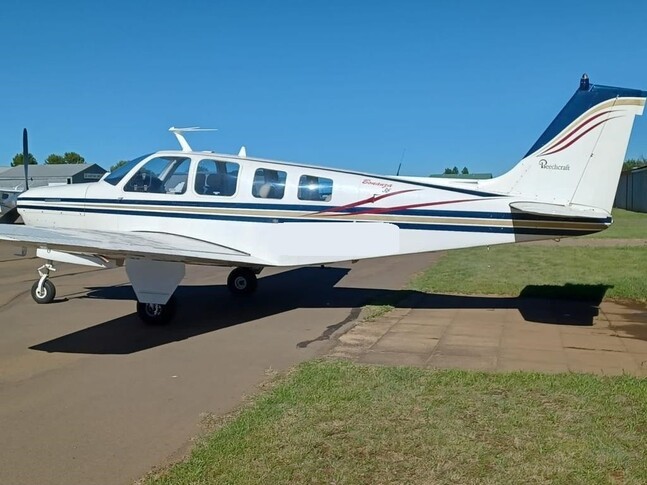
{"x": 42, "y": 175}
{"x": 632, "y": 190}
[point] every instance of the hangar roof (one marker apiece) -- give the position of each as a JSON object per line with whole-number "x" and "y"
{"x": 58, "y": 170}
{"x": 40, "y": 175}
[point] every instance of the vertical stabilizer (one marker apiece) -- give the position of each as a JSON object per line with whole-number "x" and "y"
{"x": 578, "y": 159}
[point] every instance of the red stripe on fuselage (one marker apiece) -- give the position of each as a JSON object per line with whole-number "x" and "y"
{"x": 372, "y": 199}
{"x": 386, "y": 210}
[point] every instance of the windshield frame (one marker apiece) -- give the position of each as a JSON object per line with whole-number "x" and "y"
{"x": 115, "y": 177}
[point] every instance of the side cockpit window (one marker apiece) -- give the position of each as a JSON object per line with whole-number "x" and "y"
{"x": 215, "y": 177}
{"x": 161, "y": 175}
{"x": 269, "y": 184}
{"x": 315, "y": 188}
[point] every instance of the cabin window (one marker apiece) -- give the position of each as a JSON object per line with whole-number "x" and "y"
{"x": 215, "y": 177}
{"x": 315, "y": 188}
{"x": 161, "y": 175}
{"x": 269, "y": 184}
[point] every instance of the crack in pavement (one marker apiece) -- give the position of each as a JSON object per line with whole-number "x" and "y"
{"x": 330, "y": 329}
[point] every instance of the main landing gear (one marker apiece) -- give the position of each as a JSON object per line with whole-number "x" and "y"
{"x": 242, "y": 281}
{"x": 156, "y": 313}
{"x": 43, "y": 290}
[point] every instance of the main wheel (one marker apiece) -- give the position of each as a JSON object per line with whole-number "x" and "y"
{"x": 242, "y": 281}
{"x": 46, "y": 294}
{"x": 155, "y": 313}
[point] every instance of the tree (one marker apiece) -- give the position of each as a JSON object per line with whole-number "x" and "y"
{"x": 18, "y": 160}
{"x": 68, "y": 157}
{"x": 455, "y": 171}
{"x": 118, "y": 164}
{"x": 73, "y": 157}
{"x": 632, "y": 163}
{"x": 54, "y": 159}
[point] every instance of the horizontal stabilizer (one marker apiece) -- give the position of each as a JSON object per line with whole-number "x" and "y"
{"x": 554, "y": 210}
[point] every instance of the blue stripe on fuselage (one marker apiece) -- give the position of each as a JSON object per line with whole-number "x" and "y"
{"x": 310, "y": 208}
{"x": 271, "y": 219}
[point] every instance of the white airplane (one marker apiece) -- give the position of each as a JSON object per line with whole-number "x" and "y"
{"x": 162, "y": 211}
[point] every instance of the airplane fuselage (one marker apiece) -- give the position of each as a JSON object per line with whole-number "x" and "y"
{"x": 287, "y": 214}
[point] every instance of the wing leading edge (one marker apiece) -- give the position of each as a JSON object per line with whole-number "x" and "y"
{"x": 117, "y": 245}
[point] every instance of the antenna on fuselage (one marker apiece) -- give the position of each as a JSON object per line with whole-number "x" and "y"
{"x": 179, "y": 134}
{"x": 404, "y": 150}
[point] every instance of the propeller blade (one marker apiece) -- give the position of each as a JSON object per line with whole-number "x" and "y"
{"x": 10, "y": 216}
{"x": 25, "y": 156}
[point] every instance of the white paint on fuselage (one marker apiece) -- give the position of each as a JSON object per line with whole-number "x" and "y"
{"x": 303, "y": 243}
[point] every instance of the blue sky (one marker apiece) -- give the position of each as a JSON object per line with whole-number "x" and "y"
{"x": 337, "y": 83}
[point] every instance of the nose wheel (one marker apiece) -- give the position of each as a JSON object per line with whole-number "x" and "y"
{"x": 43, "y": 291}
{"x": 242, "y": 281}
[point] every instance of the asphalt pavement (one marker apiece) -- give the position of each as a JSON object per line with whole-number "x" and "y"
{"x": 89, "y": 394}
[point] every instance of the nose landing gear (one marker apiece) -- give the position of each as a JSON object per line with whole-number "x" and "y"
{"x": 43, "y": 291}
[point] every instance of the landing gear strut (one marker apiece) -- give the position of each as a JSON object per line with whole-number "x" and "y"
{"x": 43, "y": 291}
{"x": 155, "y": 313}
{"x": 242, "y": 281}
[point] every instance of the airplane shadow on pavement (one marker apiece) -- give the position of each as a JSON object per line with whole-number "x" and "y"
{"x": 204, "y": 309}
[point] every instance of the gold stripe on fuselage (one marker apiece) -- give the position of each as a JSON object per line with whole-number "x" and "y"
{"x": 393, "y": 218}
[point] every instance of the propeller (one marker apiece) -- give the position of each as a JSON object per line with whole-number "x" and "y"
{"x": 12, "y": 214}
{"x": 25, "y": 156}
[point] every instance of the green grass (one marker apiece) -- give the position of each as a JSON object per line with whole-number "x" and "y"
{"x": 508, "y": 270}
{"x": 373, "y": 312}
{"x": 333, "y": 422}
{"x": 626, "y": 225}
{"x": 551, "y": 271}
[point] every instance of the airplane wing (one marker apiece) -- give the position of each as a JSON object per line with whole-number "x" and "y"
{"x": 117, "y": 245}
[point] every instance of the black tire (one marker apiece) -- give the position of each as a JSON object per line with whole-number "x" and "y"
{"x": 242, "y": 282}
{"x": 155, "y": 314}
{"x": 47, "y": 294}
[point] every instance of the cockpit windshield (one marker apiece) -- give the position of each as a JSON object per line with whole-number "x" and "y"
{"x": 117, "y": 175}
